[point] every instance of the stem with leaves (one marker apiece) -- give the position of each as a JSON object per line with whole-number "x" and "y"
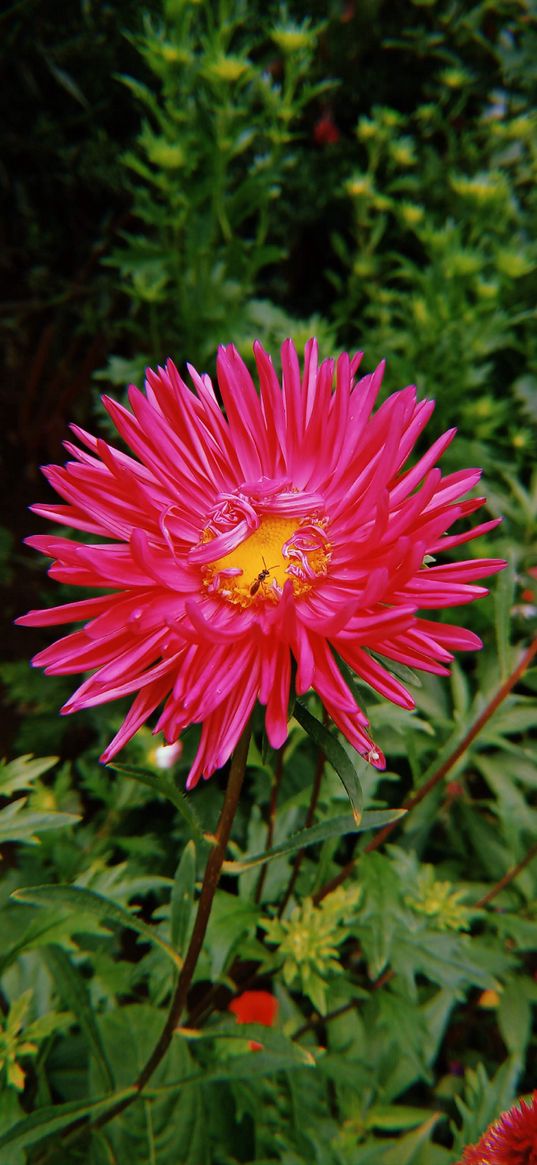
{"x": 443, "y": 769}
{"x": 208, "y": 890}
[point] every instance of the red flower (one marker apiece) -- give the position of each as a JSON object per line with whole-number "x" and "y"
{"x": 325, "y": 131}
{"x": 255, "y": 1007}
{"x": 509, "y": 1140}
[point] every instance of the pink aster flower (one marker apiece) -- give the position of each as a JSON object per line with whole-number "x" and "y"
{"x": 510, "y": 1140}
{"x": 229, "y": 544}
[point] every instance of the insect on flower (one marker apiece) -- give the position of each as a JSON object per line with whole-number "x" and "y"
{"x": 263, "y": 574}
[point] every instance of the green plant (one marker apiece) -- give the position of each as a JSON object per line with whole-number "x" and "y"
{"x": 212, "y": 158}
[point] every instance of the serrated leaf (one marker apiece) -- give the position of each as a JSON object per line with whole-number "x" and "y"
{"x": 277, "y": 1053}
{"x": 51, "y": 1119}
{"x": 171, "y": 1132}
{"x": 484, "y": 1098}
{"x": 75, "y": 898}
{"x": 72, "y": 989}
{"x": 162, "y": 784}
{"x": 346, "y": 769}
{"x": 19, "y": 823}
{"x": 21, "y": 772}
{"x": 333, "y": 827}
{"x": 49, "y": 928}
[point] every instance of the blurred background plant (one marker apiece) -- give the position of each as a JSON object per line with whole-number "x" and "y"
{"x": 207, "y": 172}
{"x": 177, "y": 174}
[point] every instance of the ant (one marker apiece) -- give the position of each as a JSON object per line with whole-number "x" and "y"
{"x": 263, "y": 574}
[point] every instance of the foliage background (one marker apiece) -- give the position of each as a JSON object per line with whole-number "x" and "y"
{"x": 181, "y": 174}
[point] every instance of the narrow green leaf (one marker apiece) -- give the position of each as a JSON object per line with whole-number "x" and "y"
{"x": 277, "y": 1053}
{"x": 162, "y": 784}
{"x": 88, "y": 902}
{"x": 18, "y": 823}
{"x": 346, "y": 769}
{"x": 182, "y": 897}
{"x": 504, "y": 590}
{"x": 396, "y": 1117}
{"x": 73, "y": 991}
{"x": 67, "y": 82}
{"x": 514, "y": 1016}
{"x": 51, "y": 1119}
{"x": 406, "y": 1149}
{"x": 333, "y": 827}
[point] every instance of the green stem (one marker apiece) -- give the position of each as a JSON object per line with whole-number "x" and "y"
{"x": 508, "y": 877}
{"x": 208, "y": 890}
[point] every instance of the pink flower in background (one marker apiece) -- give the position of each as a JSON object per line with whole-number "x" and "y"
{"x": 290, "y": 527}
{"x": 510, "y": 1140}
{"x": 255, "y": 1007}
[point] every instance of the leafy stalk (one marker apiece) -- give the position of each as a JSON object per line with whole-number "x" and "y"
{"x": 442, "y": 770}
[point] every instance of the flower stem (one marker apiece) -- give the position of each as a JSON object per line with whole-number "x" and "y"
{"x": 442, "y": 770}
{"x": 508, "y": 877}
{"x": 208, "y": 890}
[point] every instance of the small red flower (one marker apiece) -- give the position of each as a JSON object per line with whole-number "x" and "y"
{"x": 255, "y": 1007}
{"x": 325, "y": 131}
{"x": 509, "y": 1140}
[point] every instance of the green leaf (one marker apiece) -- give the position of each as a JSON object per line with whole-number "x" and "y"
{"x": 503, "y": 604}
{"x": 47, "y": 928}
{"x": 171, "y": 1131}
{"x": 21, "y": 772}
{"x": 233, "y": 921}
{"x": 163, "y": 785}
{"x": 72, "y": 989}
{"x": 75, "y": 898}
{"x": 514, "y": 1017}
{"x": 484, "y": 1099}
{"x": 182, "y": 897}
{"x": 395, "y": 1117}
{"x": 19, "y": 823}
{"x": 51, "y": 1119}
{"x": 346, "y": 769}
{"x": 10, "y": 1114}
{"x": 277, "y": 1053}
{"x": 333, "y": 827}
{"x": 67, "y": 82}
{"x": 405, "y": 1152}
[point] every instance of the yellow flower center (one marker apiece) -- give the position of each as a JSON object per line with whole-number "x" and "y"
{"x": 278, "y": 551}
